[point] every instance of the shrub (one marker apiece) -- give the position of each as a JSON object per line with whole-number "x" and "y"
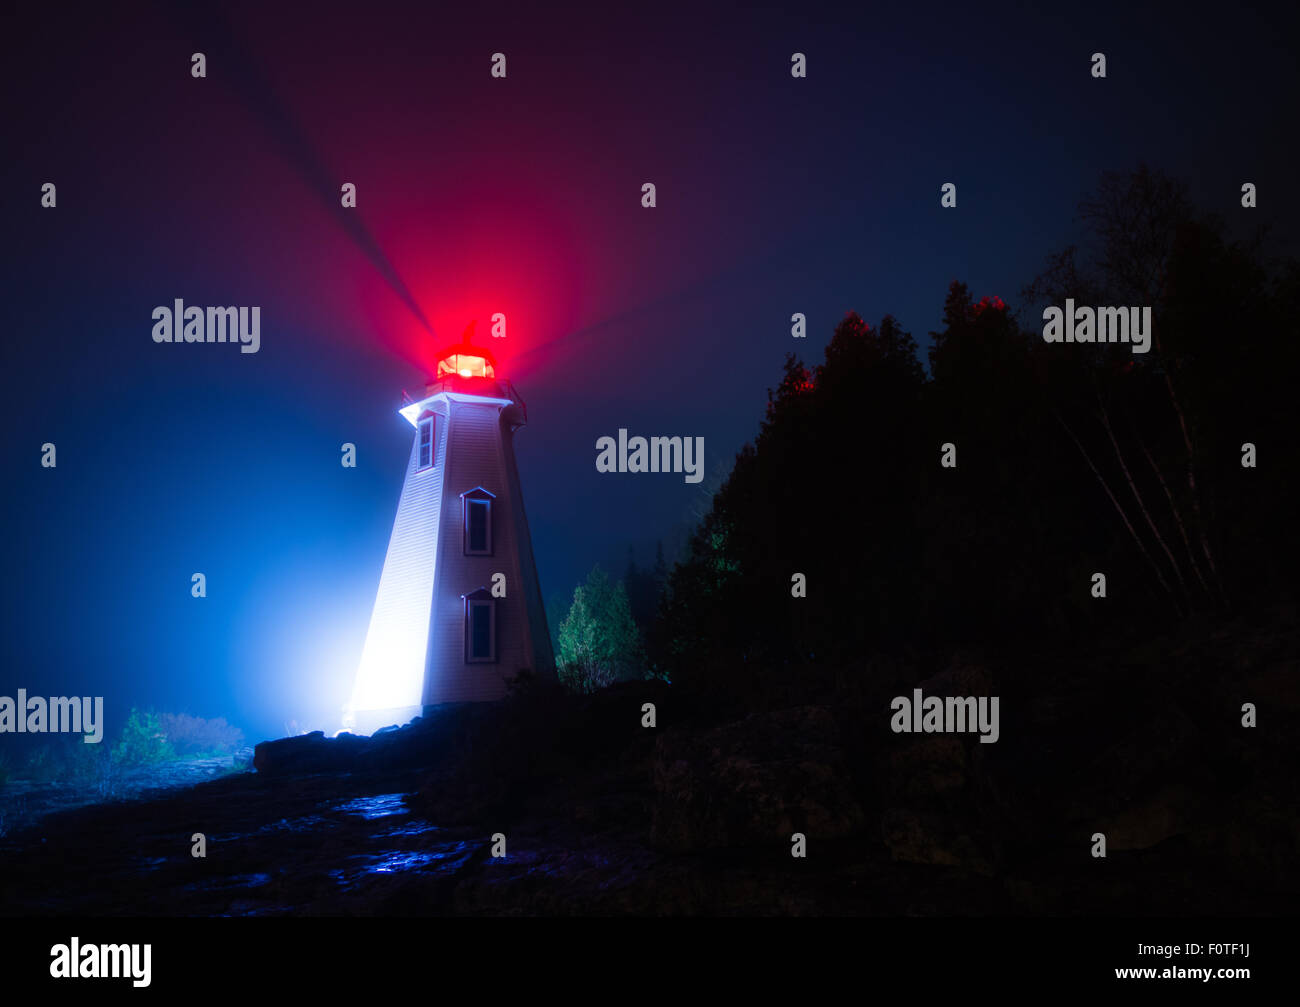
{"x": 143, "y": 740}
{"x": 195, "y": 736}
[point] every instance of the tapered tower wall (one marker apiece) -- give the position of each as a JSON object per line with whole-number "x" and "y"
{"x": 416, "y": 653}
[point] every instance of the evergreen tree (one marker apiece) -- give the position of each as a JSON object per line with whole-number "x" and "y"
{"x": 827, "y": 490}
{"x": 599, "y": 642}
{"x": 143, "y": 740}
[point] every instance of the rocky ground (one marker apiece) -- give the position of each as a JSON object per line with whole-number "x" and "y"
{"x": 24, "y": 802}
{"x": 1142, "y": 742}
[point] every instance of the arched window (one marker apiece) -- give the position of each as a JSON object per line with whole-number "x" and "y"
{"x": 478, "y": 521}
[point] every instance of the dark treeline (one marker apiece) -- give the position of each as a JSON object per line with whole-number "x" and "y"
{"x": 644, "y": 585}
{"x": 1072, "y": 459}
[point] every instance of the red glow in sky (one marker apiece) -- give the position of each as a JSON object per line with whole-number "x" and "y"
{"x": 489, "y": 254}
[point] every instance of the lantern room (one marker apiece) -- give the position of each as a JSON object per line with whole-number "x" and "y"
{"x": 465, "y": 371}
{"x": 464, "y": 361}
{"x": 464, "y": 366}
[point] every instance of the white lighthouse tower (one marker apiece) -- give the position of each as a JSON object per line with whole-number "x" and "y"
{"x": 459, "y": 609}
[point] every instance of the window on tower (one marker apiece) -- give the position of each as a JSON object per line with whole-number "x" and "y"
{"x": 426, "y": 442}
{"x": 480, "y": 627}
{"x": 478, "y": 522}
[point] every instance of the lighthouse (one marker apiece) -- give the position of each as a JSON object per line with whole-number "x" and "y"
{"x": 459, "y": 609}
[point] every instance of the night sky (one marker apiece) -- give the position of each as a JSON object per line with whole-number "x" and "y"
{"x": 478, "y": 195}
